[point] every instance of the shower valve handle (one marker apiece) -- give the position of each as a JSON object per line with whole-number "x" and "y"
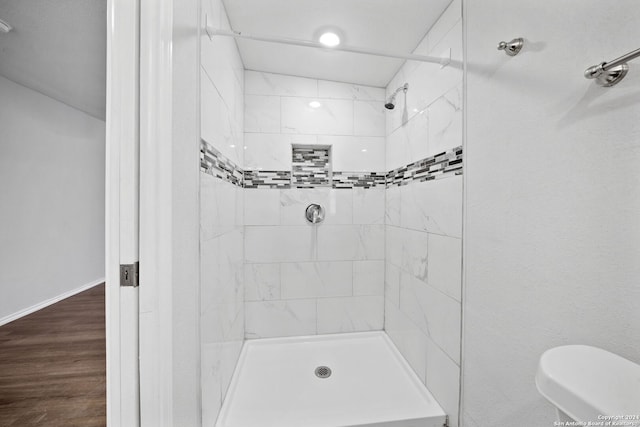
{"x": 314, "y": 213}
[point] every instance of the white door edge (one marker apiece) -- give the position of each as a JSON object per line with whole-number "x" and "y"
{"x": 122, "y": 206}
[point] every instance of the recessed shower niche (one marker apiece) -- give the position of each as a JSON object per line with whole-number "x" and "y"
{"x": 311, "y": 166}
{"x": 386, "y": 257}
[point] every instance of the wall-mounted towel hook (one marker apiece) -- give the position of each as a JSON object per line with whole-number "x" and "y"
{"x": 610, "y": 73}
{"x": 513, "y": 47}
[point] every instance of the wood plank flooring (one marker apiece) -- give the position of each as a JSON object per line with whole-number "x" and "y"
{"x": 52, "y": 365}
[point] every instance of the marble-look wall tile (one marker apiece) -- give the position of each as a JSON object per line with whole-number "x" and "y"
{"x": 349, "y": 117}
{"x": 356, "y": 153}
{"x": 219, "y": 320}
{"x": 351, "y": 242}
{"x": 394, "y": 117}
{"x": 229, "y": 354}
{"x": 445, "y": 122}
{"x": 267, "y": 319}
{"x": 211, "y": 381}
{"x": 392, "y": 277}
{"x": 394, "y": 245}
{"x": 415, "y": 251}
{"x": 267, "y": 151}
{"x": 317, "y": 279}
{"x": 433, "y": 82}
{"x": 408, "y": 338}
{"x": 218, "y": 125}
{"x": 220, "y": 203}
{"x": 368, "y": 118}
{"x": 443, "y": 380}
{"x": 428, "y": 82}
{"x": 368, "y": 205}
{"x": 220, "y": 59}
{"x": 338, "y": 205}
{"x": 392, "y": 209}
{"x": 259, "y": 83}
{"x": 444, "y": 270}
{"x": 339, "y": 315}
{"x": 279, "y": 243}
{"x": 262, "y": 282}
{"x": 436, "y": 314}
{"x": 332, "y": 117}
{"x": 262, "y": 114}
{"x": 329, "y": 89}
{"x": 408, "y": 143}
{"x": 210, "y": 111}
{"x": 424, "y": 218}
{"x": 368, "y": 278}
{"x": 262, "y": 207}
{"x": 221, "y": 214}
{"x": 222, "y": 283}
{"x": 433, "y": 206}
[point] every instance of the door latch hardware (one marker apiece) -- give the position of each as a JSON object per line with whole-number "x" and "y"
{"x": 129, "y": 274}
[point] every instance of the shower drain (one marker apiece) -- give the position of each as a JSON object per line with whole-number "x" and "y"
{"x": 323, "y": 372}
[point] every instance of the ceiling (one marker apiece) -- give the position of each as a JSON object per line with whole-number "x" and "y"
{"x": 58, "y": 48}
{"x": 388, "y": 25}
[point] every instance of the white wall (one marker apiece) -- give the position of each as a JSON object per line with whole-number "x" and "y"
{"x": 424, "y": 219}
{"x": 51, "y": 198}
{"x": 552, "y": 234}
{"x": 221, "y": 214}
{"x": 303, "y": 279}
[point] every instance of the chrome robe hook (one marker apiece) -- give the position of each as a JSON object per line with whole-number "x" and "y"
{"x": 513, "y": 47}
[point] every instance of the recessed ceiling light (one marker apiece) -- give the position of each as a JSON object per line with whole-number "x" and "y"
{"x": 315, "y": 104}
{"x": 364, "y": 150}
{"x": 329, "y": 39}
{"x": 232, "y": 146}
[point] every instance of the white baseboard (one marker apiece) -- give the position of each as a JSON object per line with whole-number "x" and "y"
{"x": 43, "y": 304}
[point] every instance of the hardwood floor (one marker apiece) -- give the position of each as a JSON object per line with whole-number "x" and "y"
{"x": 52, "y": 365}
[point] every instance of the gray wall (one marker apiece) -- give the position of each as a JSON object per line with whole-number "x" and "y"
{"x": 51, "y": 199}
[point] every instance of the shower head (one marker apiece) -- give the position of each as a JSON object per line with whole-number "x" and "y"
{"x": 4, "y": 27}
{"x": 391, "y": 102}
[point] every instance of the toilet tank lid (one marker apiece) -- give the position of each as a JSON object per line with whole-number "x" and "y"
{"x": 585, "y": 382}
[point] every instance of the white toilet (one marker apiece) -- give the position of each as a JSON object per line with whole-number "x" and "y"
{"x": 588, "y": 384}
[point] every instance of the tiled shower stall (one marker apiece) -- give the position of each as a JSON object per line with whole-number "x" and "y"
{"x": 387, "y": 255}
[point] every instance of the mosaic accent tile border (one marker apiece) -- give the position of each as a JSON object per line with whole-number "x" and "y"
{"x": 212, "y": 162}
{"x": 310, "y": 166}
{"x": 430, "y": 168}
{"x": 267, "y": 179}
{"x": 358, "y": 179}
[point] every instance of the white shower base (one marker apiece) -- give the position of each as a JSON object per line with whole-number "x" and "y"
{"x": 371, "y": 385}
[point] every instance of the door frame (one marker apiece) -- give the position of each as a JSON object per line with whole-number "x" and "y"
{"x": 166, "y": 39}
